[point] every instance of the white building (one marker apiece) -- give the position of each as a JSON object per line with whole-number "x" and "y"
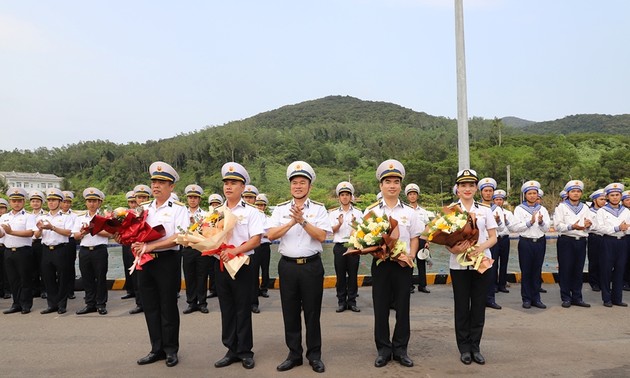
{"x": 41, "y": 181}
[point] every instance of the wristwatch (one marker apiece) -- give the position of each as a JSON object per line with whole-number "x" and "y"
{"x": 304, "y": 223}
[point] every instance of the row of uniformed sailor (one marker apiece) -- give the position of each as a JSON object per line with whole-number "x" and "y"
{"x": 5, "y": 289}
{"x": 412, "y": 192}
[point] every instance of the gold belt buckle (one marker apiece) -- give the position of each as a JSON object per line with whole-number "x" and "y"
{"x": 300, "y": 261}
{"x": 14, "y": 249}
{"x": 91, "y": 248}
{"x": 51, "y": 247}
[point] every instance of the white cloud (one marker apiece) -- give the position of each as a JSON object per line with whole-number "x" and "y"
{"x": 20, "y": 35}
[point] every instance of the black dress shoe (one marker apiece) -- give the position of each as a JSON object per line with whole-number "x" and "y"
{"x": 288, "y": 364}
{"x": 318, "y": 366}
{"x": 12, "y": 310}
{"x": 25, "y": 311}
{"x": 127, "y": 296}
{"x": 171, "y": 359}
{"x": 61, "y": 311}
{"x": 466, "y": 358}
{"x": 424, "y": 290}
{"x": 566, "y": 304}
{"x": 341, "y": 308}
{"x": 102, "y": 311}
{"x": 503, "y": 290}
{"x": 608, "y": 304}
{"x": 86, "y": 310}
{"x": 72, "y": 296}
{"x": 404, "y": 360}
{"x": 255, "y": 309}
{"x": 527, "y": 305}
{"x": 412, "y": 290}
{"x": 213, "y": 294}
{"x": 621, "y": 304}
{"x": 136, "y": 310}
{"x": 49, "y": 310}
{"x": 7, "y": 296}
{"x": 226, "y": 361}
{"x": 248, "y": 363}
{"x": 580, "y": 304}
{"x": 190, "y": 309}
{"x": 44, "y": 295}
{"x": 204, "y": 309}
{"x": 493, "y": 305}
{"x": 151, "y": 358}
{"x": 381, "y": 361}
{"x": 354, "y": 308}
{"x": 541, "y": 290}
{"x": 478, "y": 358}
{"x": 596, "y": 288}
{"x": 264, "y": 294}
{"x": 539, "y": 304}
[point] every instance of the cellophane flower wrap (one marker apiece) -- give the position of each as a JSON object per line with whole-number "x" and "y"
{"x": 129, "y": 224}
{"x": 378, "y": 236}
{"x": 209, "y": 234}
{"x": 457, "y": 229}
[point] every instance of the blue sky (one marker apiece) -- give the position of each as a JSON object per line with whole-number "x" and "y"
{"x": 135, "y": 70}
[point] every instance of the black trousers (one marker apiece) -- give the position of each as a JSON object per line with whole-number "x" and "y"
{"x": 422, "y": 268}
{"x": 196, "y": 276}
{"x": 595, "y": 251}
{"x": 530, "y": 257}
{"x": 571, "y": 257}
{"x": 54, "y": 272}
{"x": 236, "y": 311}
{"x": 390, "y": 281}
{"x": 263, "y": 257}
{"x": 346, "y": 270}
{"x": 302, "y": 288}
{"x": 469, "y": 295}
{"x": 93, "y": 267}
{"x": 502, "y": 256}
{"x": 4, "y": 281}
{"x": 159, "y": 283}
{"x": 71, "y": 258}
{"x": 19, "y": 266}
{"x": 613, "y": 263}
{"x": 127, "y": 258}
{"x": 36, "y": 275}
{"x": 212, "y": 285}
{"x": 493, "y": 272}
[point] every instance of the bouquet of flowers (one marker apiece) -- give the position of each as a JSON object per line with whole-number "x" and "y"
{"x": 208, "y": 235}
{"x": 378, "y": 236}
{"x": 457, "y": 230}
{"x": 130, "y": 225}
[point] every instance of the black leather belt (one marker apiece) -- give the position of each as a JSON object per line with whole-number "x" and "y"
{"x": 54, "y": 247}
{"x": 93, "y": 248}
{"x": 615, "y": 237}
{"x": 535, "y": 240}
{"x": 301, "y": 260}
{"x": 578, "y": 238}
{"x": 503, "y": 236}
{"x": 15, "y": 249}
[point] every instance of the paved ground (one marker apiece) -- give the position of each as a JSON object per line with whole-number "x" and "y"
{"x": 576, "y": 342}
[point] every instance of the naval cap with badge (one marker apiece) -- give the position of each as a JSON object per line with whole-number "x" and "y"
{"x": 193, "y": 190}
{"x": 162, "y": 171}
{"x": 540, "y": 193}
{"x": 467, "y": 175}
{"x": 235, "y": 171}
{"x": 412, "y": 188}
{"x": 390, "y": 168}
{"x": 300, "y": 168}
{"x": 596, "y": 194}
{"x": 4, "y": 203}
{"x": 499, "y": 193}
{"x": 131, "y": 195}
{"x": 564, "y": 194}
{"x": 487, "y": 182}
{"x": 93, "y": 193}
{"x": 17, "y": 193}
{"x": 625, "y": 195}
{"x": 36, "y": 194}
{"x": 261, "y": 199}
{"x": 344, "y": 186}
{"x": 250, "y": 191}
{"x": 574, "y": 184}
{"x": 54, "y": 194}
{"x": 614, "y": 187}
{"x": 68, "y": 196}
{"x": 530, "y": 185}
{"x": 142, "y": 190}
{"x": 215, "y": 198}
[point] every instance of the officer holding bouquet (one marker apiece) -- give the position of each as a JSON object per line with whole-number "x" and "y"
{"x": 390, "y": 279}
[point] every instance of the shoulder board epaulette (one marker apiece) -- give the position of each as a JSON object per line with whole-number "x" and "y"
{"x": 333, "y": 209}
{"x": 372, "y": 205}
{"x": 318, "y": 203}
{"x": 80, "y": 212}
{"x": 249, "y": 204}
{"x": 179, "y": 203}
{"x": 146, "y": 202}
{"x": 408, "y": 205}
{"x": 283, "y": 203}
{"x": 483, "y": 204}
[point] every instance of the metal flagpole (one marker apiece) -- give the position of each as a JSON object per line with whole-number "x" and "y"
{"x": 462, "y": 102}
